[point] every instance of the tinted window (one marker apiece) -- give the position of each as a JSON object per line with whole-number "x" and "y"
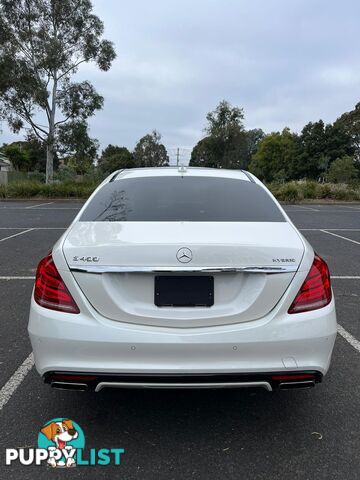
{"x": 192, "y": 199}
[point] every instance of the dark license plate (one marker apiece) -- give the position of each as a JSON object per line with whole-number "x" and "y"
{"x": 184, "y": 291}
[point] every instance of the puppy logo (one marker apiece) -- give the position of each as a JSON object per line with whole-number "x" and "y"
{"x": 61, "y": 437}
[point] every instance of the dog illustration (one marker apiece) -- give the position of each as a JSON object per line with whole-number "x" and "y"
{"x": 60, "y": 433}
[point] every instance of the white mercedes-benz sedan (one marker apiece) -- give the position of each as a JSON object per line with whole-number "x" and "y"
{"x": 182, "y": 278}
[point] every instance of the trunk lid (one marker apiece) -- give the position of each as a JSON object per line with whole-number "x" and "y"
{"x": 128, "y": 252}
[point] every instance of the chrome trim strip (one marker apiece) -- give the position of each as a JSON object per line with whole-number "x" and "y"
{"x": 113, "y": 269}
{"x": 102, "y": 385}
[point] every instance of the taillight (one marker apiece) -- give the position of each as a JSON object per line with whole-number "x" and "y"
{"x": 50, "y": 289}
{"x": 315, "y": 291}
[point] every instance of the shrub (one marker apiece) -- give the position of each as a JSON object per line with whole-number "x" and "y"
{"x": 342, "y": 170}
{"x": 36, "y": 176}
{"x": 28, "y": 189}
{"x": 310, "y": 189}
{"x": 324, "y": 190}
{"x": 289, "y": 192}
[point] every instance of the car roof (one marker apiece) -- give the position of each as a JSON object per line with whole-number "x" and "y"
{"x": 175, "y": 171}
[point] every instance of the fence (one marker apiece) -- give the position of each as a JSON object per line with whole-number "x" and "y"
{"x": 14, "y": 176}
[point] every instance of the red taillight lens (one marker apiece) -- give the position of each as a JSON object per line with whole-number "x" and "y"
{"x": 50, "y": 290}
{"x": 315, "y": 291}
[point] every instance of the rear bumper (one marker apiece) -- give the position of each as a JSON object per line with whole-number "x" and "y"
{"x": 99, "y": 381}
{"x": 89, "y": 343}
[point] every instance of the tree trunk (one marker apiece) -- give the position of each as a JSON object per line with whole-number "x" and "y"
{"x": 49, "y": 163}
{"x": 51, "y": 136}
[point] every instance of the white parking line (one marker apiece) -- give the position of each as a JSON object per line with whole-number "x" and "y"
{"x": 307, "y": 208}
{"x": 349, "y": 338}
{"x": 345, "y": 277}
{"x": 16, "y": 278}
{"x": 355, "y": 208}
{"x": 39, "y": 205}
{"x": 33, "y": 228}
{"x": 15, "y": 380}
{"x": 329, "y": 229}
{"x": 40, "y": 208}
{"x": 16, "y": 234}
{"x": 321, "y": 211}
{"x": 340, "y": 236}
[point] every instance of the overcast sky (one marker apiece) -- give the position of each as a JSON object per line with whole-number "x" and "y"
{"x": 286, "y": 62}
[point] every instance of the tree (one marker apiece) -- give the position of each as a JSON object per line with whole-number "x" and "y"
{"x": 253, "y": 139}
{"x": 204, "y": 154}
{"x": 75, "y": 144}
{"x": 225, "y": 145}
{"x": 149, "y": 152}
{"x": 338, "y": 142}
{"x": 18, "y": 156}
{"x": 115, "y": 158}
{"x": 37, "y": 153}
{"x": 275, "y": 155}
{"x": 42, "y": 44}
{"x": 313, "y": 159}
{"x": 350, "y": 123}
{"x": 342, "y": 170}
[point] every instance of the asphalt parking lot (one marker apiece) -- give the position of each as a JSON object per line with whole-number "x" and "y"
{"x": 236, "y": 434}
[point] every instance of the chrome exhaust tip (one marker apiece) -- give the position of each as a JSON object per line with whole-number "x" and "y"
{"x": 81, "y": 387}
{"x": 297, "y": 385}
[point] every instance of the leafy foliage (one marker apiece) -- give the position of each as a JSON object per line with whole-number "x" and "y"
{"x": 275, "y": 155}
{"x": 226, "y": 144}
{"x": 342, "y": 170}
{"x": 115, "y": 158}
{"x": 75, "y": 144}
{"x": 29, "y": 155}
{"x": 149, "y": 152}
{"x": 42, "y": 45}
{"x": 349, "y": 122}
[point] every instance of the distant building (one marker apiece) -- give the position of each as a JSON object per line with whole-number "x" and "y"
{"x": 5, "y": 164}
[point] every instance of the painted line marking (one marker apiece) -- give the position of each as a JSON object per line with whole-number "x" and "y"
{"x": 40, "y": 208}
{"x": 15, "y": 380}
{"x": 329, "y": 229}
{"x": 348, "y": 337}
{"x": 33, "y": 228}
{"x": 342, "y": 277}
{"x": 16, "y": 278}
{"x": 16, "y": 234}
{"x": 308, "y": 208}
{"x": 38, "y": 205}
{"x": 340, "y": 236}
{"x": 321, "y": 211}
{"x": 355, "y": 208}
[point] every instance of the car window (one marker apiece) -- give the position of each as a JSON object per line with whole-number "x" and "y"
{"x": 188, "y": 199}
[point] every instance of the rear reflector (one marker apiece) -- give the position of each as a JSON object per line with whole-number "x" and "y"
{"x": 50, "y": 289}
{"x": 315, "y": 292}
{"x": 286, "y": 378}
{"x": 64, "y": 377}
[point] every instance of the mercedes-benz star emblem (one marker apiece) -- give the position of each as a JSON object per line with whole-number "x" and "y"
{"x": 184, "y": 255}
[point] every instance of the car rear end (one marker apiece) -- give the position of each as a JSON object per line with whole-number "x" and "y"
{"x": 182, "y": 278}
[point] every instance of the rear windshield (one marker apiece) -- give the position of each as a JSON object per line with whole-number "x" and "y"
{"x": 176, "y": 199}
